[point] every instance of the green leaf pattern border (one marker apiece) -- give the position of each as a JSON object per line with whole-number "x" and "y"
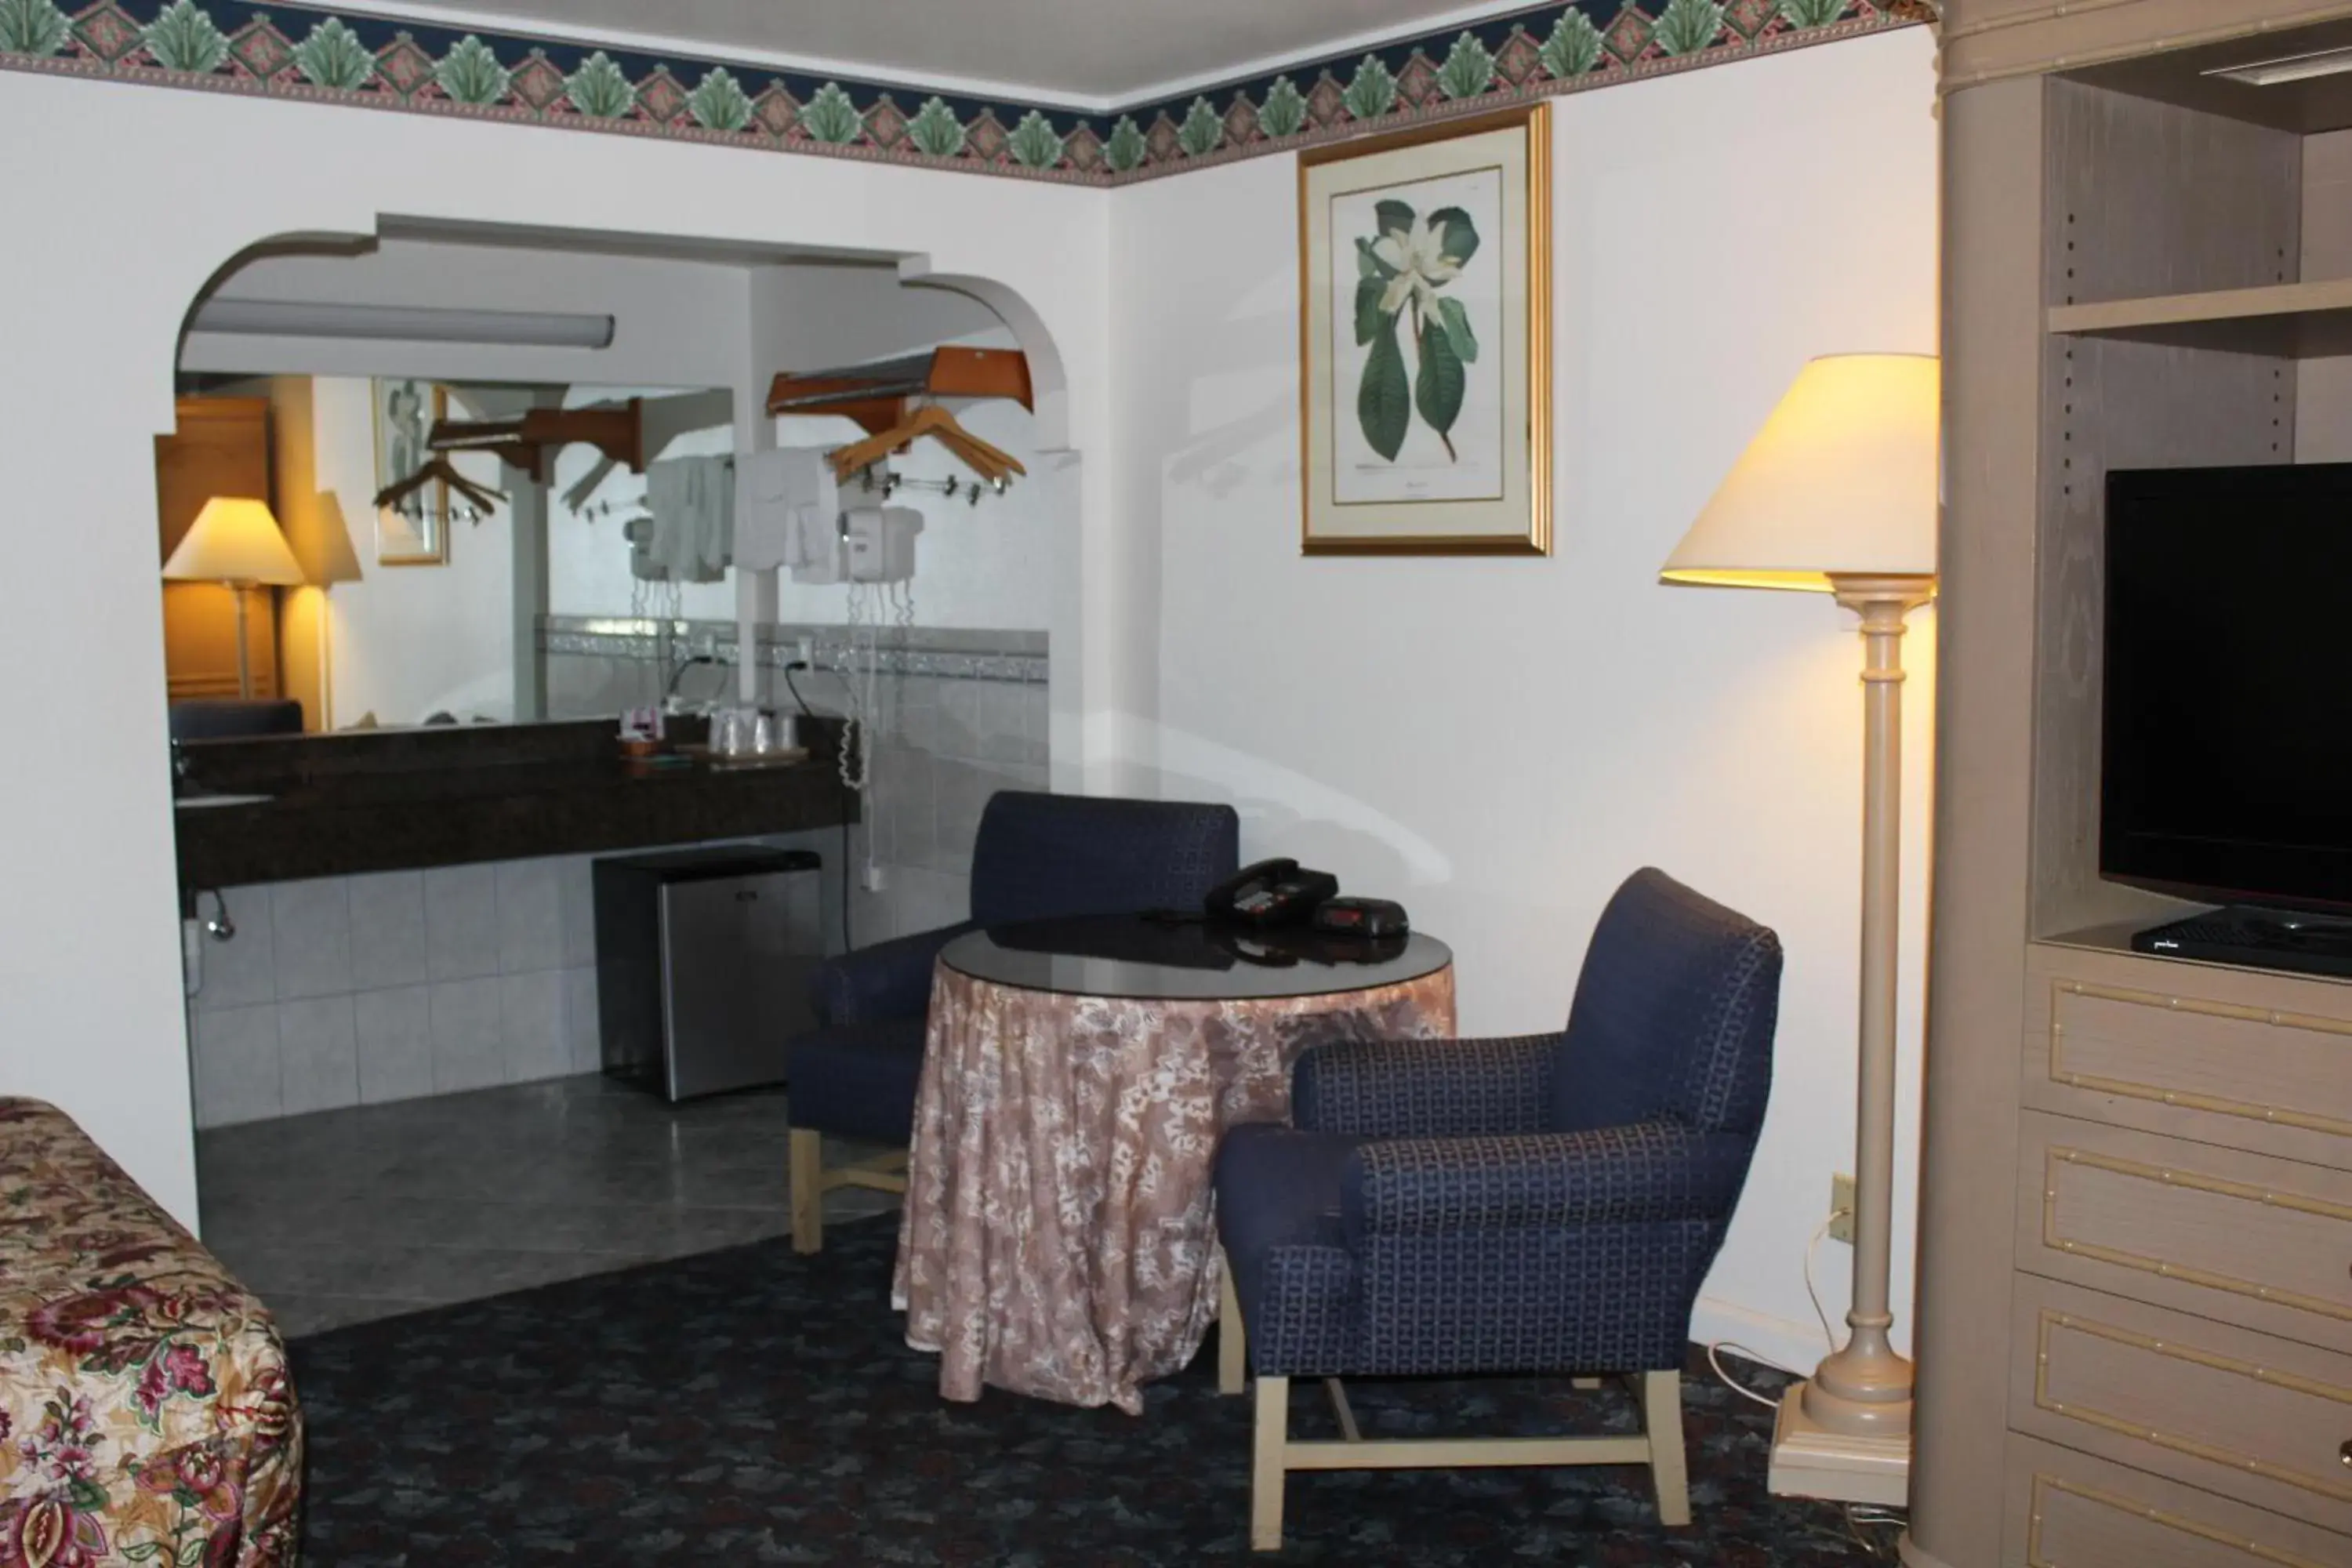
{"x": 354, "y": 57}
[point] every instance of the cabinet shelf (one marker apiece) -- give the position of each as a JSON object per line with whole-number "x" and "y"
{"x": 2299, "y": 321}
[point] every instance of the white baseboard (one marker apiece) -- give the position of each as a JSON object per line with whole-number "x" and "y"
{"x": 1792, "y": 1345}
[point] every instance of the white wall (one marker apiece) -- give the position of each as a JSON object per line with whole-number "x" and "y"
{"x": 91, "y": 312}
{"x": 1499, "y": 742}
{"x": 404, "y": 642}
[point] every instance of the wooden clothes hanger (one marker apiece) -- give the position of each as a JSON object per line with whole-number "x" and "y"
{"x": 618, "y": 432}
{"x": 989, "y": 462}
{"x": 483, "y": 500}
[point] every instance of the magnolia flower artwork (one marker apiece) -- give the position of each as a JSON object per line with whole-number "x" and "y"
{"x": 1426, "y": 357}
{"x": 1402, "y": 272}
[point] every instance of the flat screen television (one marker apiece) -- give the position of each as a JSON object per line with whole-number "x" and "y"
{"x": 2226, "y": 755}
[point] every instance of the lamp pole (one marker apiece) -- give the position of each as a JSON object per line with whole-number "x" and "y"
{"x": 237, "y": 591}
{"x": 1865, "y": 1389}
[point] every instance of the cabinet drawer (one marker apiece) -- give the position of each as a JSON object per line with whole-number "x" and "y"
{"x": 2206, "y": 1229}
{"x": 2257, "y": 1061}
{"x": 2067, "y": 1509}
{"x": 2264, "y": 1420}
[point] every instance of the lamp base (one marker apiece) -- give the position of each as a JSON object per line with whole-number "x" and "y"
{"x": 1810, "y": 1460}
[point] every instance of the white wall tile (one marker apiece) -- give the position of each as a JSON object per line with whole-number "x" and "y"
{"x": 913, "y": 803}
{"x": 928, "y": 899}
{"x": 1003, "y": 731}
{"x": 467, "y": 1035}
{"x": 962, "y": 792}
{"x": 1036, "y": 719}
{"x": 575, "y": 878}
{"x": 243, "y": 970}
{"x": 874, "y": 917}
{"x": 583, "y": 1033}
{"x": 311, "y": 926}
{"x": 530, "y": 916}
{"x": 919, "y": 712}
{"x": 532, "y": 1027}
{"x": 237, "y": 1065}
{"x": 393, "y": 1029}
{"x": 318, "y": 1053}
{"x": 461, "y": 922}
{"x": 388, "y": 931}
{"x": 958, "y": 722}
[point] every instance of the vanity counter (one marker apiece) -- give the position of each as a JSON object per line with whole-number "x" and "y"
{"x": 333, "y": 805}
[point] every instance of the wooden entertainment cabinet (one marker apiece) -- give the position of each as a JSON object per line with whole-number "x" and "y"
{"x": 2135, "y": 1333}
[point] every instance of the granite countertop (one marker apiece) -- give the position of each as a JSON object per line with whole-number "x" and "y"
{"x": 339, "y": 805}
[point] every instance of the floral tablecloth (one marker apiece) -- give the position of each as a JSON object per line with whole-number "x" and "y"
{"x": 145, "y": 1413}
{"x": 1058, "y": 1239}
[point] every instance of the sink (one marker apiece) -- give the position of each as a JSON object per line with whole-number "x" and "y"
{"x": 195, "y": 802}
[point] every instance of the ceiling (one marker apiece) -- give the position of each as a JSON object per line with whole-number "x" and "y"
{"x": 1091, "y": 50}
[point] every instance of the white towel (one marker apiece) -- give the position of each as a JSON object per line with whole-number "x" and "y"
{"x": 787, "y": 507}
{"x": 692, "y": 502}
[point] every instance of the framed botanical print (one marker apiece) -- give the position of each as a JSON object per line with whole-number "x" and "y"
{"x": 417, "y": 533}
{"x": 1426, "y": 342}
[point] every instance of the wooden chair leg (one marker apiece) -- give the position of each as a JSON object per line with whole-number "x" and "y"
{"x": 1662, "y": 1420}
{"x": 1232, "y": 1348}
{"x": 1267, "y": 1463}
{"x": 807, "y": 1182}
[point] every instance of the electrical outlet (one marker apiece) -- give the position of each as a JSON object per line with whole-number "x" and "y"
{"x": 808, "y": 652}
{"x": 874, "y": 878}
{"x": 1842, "y": 1206}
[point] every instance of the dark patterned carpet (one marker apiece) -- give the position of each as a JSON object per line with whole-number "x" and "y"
{"x": 750, "y": 1406}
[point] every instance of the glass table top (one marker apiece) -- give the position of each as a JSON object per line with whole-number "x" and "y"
{"x": 1137, "y": 957}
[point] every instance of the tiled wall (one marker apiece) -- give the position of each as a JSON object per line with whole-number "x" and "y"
{"x": 350, "y": 990}
{"x": 945, "y": 746}
{"x": 353, "y": 990}
{"x": 962, "y": 714}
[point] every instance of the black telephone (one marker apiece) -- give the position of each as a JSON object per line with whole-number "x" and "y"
{"x": 1271, "y": 893}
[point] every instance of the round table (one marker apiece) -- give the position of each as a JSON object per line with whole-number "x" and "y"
{"x": 1058, "y": 1237}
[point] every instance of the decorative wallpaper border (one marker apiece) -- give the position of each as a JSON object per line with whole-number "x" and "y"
{"x": 348, "y": 58}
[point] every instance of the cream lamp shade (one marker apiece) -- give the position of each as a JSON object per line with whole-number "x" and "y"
{"x": 1840, "y": 480}
{"x": 234, "y": 540}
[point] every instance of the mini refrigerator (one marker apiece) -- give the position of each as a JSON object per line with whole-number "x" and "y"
{"x": 703, "y": 959}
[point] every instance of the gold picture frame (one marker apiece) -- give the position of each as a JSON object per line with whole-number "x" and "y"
{"x": 404, "y": 411}
{"x": 1449, "y": 454}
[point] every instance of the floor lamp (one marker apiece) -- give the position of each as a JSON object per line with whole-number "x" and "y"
{"x": 236, "y": 542}
{"x": 1837, "y": 494}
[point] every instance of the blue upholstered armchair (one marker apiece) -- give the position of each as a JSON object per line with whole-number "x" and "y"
{"x": 1037, "y": 856}
{"x": 1549, "y": 1203}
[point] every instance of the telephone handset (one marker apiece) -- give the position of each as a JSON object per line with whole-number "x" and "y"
{"x": 1271, "y": 893}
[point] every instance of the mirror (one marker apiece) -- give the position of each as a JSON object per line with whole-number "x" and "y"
{"x": 490, "y": 592}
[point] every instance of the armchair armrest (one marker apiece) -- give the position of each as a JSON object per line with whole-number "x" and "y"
{"x": 1647, "y": 1173}
{"x": 888, "y": 980}
{"x": 1423, "y": 1089}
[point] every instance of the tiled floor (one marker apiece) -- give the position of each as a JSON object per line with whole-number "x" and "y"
{"x": 345, "y": 1215}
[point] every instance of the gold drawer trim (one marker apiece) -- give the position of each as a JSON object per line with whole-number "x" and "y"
{"x": 2044, "y": 1483}
{"x": 2247, "y": 1463}
{"x": 2170, "y": 1177}
{"x": 2223, "y": 1105}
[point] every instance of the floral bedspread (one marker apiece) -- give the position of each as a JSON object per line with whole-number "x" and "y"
{"x": 146, "y": 1415}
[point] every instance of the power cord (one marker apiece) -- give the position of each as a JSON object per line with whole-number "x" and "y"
{"x": 1714, "y": 1360}
{"x": 847, "y": 940}
{"x": 1858, "y": 1518}
{"x": 1827, "y": 1332}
